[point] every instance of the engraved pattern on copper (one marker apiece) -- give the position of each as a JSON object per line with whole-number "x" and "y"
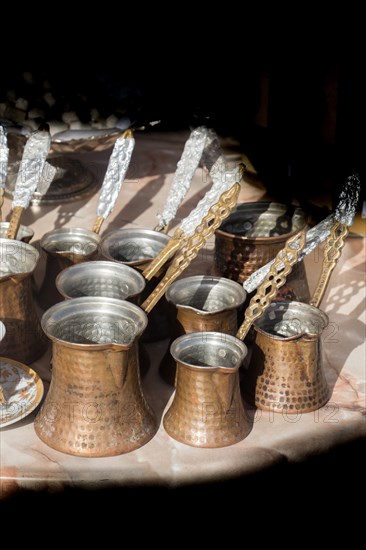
{"x": 286, "y": 371}
{"x": 95, "y": 405}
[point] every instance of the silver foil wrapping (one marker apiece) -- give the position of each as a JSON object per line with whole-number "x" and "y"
{"x": 4, "y": 155}
{"x": 348, "y": 199}
{"x": 184, "y": 173}
{"x": 116, "y": 171}
{"x": 222, "y": 181}
{"x": 48, "y": 174}
{"x": 31, "y": 168}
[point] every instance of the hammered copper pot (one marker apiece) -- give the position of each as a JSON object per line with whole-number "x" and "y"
{"x": 64, "y": 247}
{"x": 286, "y": 371}
{"x": 201, "y": 303}
{"x": 95, "y": 405}
{"x": 24, "y": 340}
{"x": 252, "y": 236}
{"x": 207, "y": 409}
{"x": 136, "y": 248}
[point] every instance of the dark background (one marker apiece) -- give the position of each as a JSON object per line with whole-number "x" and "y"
{"x": 288, "y": 86}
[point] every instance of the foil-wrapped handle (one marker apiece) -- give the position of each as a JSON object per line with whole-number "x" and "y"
{"x": 118, "y": 164}
{"x": 4, "y": 157}
{"x": 183, "y": 175}
{"x": 31, "y": 167}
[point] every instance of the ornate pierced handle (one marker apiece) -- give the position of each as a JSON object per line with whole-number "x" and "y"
{"x": 275, "y": 279}
{"x": 192, "y": 245}
{"x": 190, "y": 223}
{"x": 332, "y": 252}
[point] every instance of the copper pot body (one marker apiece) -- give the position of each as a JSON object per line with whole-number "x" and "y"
{"x": 95, "y": 405}
{"x": 286, "y": 372}
{"x": 137, "y": 247}
{"x": 201, "y": 303}
{"x": 24, "y": 340}
{"x": 207, "y": 409}
{"x": 64, "y": 247}
{"x": 251, "y": 236}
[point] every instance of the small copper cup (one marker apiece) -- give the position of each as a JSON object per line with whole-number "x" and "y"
{"x": 201, "y": 303}
{"x": 252, "y": 235}
{"x": 136, "y": 248}
{"x": 285, "y": 373}
{"x": 207, "y": 409}
{"x": 64, "y": 247}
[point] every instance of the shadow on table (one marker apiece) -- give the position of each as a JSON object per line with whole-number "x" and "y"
{"x": 346, "y": 331}
{"x": 140, "y": 202}
{"x": 322, "y": 485}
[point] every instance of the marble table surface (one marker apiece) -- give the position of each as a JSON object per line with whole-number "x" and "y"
{"x": 27, "y": 462}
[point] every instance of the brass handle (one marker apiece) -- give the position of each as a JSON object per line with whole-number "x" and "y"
{"x": 14, "y": 222}
{"x": 332, "y": 252}
{"x": 192, "y": 245}
{"x": 274, "y": 280}
{"x": 164, "y": 255}
{"x": 1, "y": 202}
{"x": 98, "y": 224}
{"x": 3, "y": 400}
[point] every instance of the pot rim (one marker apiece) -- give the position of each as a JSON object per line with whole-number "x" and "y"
{"x": 28, "y": 231}
{"x": 208, "y": 278}
{"x": 260, "y": 240}
{"x": 294, "y": 337}
{"x": 118, "y": 267}
{"x": 77, "y": 304}
{"x": 134, "y": 232}
{"x": 62, "y": 231}
{"x": 24, "y": 247}
{"x": 199, "y": 336}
